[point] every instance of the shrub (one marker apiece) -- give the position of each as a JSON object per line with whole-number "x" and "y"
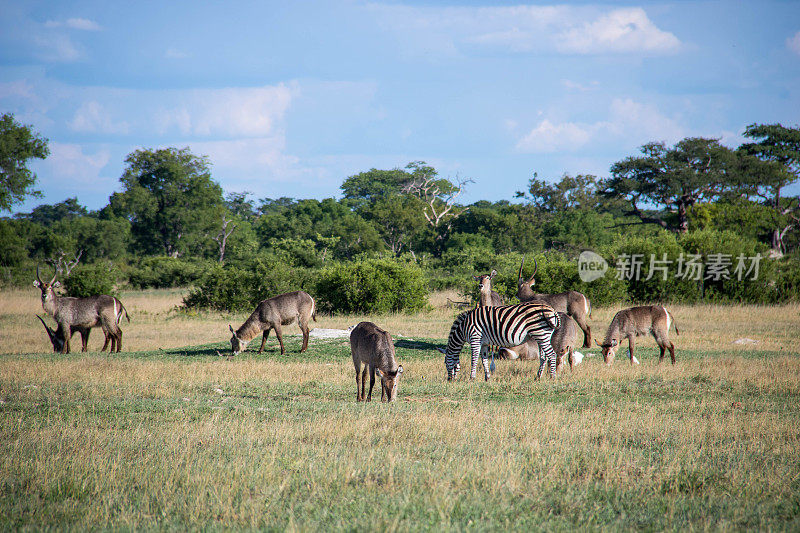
{"x": 371, "y": 286}
{"x": 231, "y": 288}
{"x": 166, "y": 272}
{"x": 91, "y": 280}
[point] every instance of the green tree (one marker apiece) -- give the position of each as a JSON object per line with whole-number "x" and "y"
{"x": 171, "y": 201}
{"x": 398, "y": 218}
{"x": 47, "y": 215}
{"x": 569, "y": 192}
{"x": 18, "y": 145}
{"x": 778, "y": 150}
{"x": 673, "y": 179}
{"x": 374, "y": 184}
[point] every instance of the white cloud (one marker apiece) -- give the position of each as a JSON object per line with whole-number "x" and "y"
{"x": 621, "y": 31}
{"x": 236, "y": 112}
{"x": 68, "y": 162}
{"x": 793, "y": 43}
{"x": 174, "y": 53}
{"x": 73, "y": 24}
{"x": 628, "y": 121}
{"x": 547, "y": 137}
{"x": 92, "y": 117}
{"x": 577, "y": 86}
{"x": 519, "y": 29}
{"x": 56, "y": 48}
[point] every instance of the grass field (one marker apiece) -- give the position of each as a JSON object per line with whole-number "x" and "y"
{"x": 168, "y": 435}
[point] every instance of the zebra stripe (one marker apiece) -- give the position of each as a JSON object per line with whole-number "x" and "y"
{"x": 506, "y": 325}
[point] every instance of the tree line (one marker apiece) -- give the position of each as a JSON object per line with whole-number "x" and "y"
{"x": 172, "y": 224}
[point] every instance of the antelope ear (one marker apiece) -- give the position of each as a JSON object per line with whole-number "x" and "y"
{"x": 399, "y": 370}
{"x": 475, "y": 278}
{"x": 614, "y": 342}
{"x": 56, "y": 284}
{"x": 378, "y": 371}
{"x": 36, "y": 283}
{"x": 598, "y": 343}
{"x": 493, "y": 274}
{"x": 231, "y": 328}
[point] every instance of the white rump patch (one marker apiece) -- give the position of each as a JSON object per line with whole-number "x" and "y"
{"x": 577, "y": 357}
{"x": 116, "y": 318}
{"x": 668, "y": 320}
{"x": 586, "y": 304}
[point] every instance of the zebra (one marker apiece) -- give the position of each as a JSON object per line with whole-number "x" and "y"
{"x": 507, "y": 325}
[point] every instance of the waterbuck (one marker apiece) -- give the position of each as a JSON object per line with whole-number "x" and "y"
{"x": 273, "y": 313}
{"x": 488, "y": 296}
{"x": 563, "y": 341}
{"x": 574, "y": 303}
{"x": 82, "y": 314}
{"x": 635, "y": 322}
{"x": 57, "y": 336}
{"x": 373, "y": 347}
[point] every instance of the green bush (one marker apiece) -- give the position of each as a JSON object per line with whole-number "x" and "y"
{"x": 558, "y": 273}
{"x": 231, "y": 288}
{"x": 662, "y": 286}
{"x": 91, "y": 280}
{"x": 166, "y": 272}
{"x": 371, "y": 286}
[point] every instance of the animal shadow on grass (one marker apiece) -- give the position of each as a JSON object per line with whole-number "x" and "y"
{"x": 195, "y": 352}
{"x": 416, "y": 345}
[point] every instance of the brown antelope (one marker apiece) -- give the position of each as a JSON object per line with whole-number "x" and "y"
{"x": 273, "y": 313}
{"x": 635, "y": 322}
{"x": 574, "y": 303}
{"x": 57, "y": 336}
{"x": 488, "y": 296}
{"x": 81, "y": 314}
{"x": 373, "y": 347}
{"x": 563, "y": 341}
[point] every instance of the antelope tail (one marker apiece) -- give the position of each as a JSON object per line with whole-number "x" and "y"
{"x": 122, "y": 310}
{"x": 674, "y": 323}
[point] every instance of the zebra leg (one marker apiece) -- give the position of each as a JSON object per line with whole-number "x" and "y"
{"x": 546, "y": 353}
{"x": 475, "y": 345}
{"x": 485, "y": 360}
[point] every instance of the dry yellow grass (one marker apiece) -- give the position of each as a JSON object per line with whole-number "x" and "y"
{"x": 156, "y": 323}
{"x": 184, "y": 440}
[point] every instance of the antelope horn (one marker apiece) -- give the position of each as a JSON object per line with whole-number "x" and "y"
{"x": 44, "y": 323}
{"x": 535, "y": 268}
{"x": 38, "y": 277}
{"x": 519, "y": 276}
{"x": 55, "y": 273}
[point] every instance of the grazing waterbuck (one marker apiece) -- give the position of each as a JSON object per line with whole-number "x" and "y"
{"x": 81, "y": 314}
{"x": 57, "y": 336}
{"x": 273, "y": 313}
{"x": 563, "y": 341}
{"x": 574, "y": 303}
{"x": 635, "y": 322}
{"x": 488, "y": 296}
{"x": 373, "y": 347}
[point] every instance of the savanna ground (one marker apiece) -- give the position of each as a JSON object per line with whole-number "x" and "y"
{"x": 168, "y": 435}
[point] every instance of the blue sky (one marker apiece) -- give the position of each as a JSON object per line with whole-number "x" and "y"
{"x": 290, "y": 98}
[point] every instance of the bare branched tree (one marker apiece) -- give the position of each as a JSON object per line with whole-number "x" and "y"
{"x": 439, "y": 194}
{"x": 61, "y": 265}
{"x": 224, "y": 233}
